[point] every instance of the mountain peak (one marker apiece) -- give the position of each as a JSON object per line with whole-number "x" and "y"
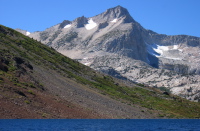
{"x": 80, "y": 21}
{"x": 117, "y": 12}
{"x": 64, "y": 23}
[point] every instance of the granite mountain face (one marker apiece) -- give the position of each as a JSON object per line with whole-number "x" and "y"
{"x": 114, "y": 43}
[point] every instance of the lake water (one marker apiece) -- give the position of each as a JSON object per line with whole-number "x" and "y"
{"x": 99, "y": 125}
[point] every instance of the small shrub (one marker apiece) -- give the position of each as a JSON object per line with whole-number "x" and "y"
{"x": 31, "y": 92}
{"x": 32, "y": 86}
{"x": 12, "y": 68}
{"x": 41, "y": 85}
{"x": 25, "y": 84}
{"x": 27, "y": 102}
{"x": 161, "y": 115}
{"x": 14, "y": 79}
{"x": 44, "y": 115}
{"x": 24, "y": 87}
{"x": 165, "y": 89}
{"x": 17, "y": 84}
{"x": 139, "y": 84}
{"x": 1, "y": 80}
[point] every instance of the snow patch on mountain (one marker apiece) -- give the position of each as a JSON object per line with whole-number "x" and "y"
{"x": 156, "y": 50}
{"x": 28, "y": 33}
{"x": 175, "y": 47}
{"x": 114, "y": 21}
{"x": 181, "y": 50}
{"x": 87, "y": 64}
{"x": 67, "y": 26}
{"x": 160, "y": 51}
{"x": 91, "y": 24}
{"x": 172, "y": 58}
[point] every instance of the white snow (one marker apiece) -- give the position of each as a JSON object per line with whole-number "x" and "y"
{"x": 28, "y": 33}
{"x": 85, "y": 58}
{"x": 119, "y": 68}
{"x": 173, "y": 58}
{"x": 180, "y": 50}
{"x": 88, "y": 63}
{"x": 67, "y": 26}
{"x": 151, "y": 51}
{"x": 163, "y": 48}
{"x": 175, "y": 47}
{"x": 156, "y": 50}
{"x": 160, "y": 49}
{"x": 91, "y": 24}
{"x": 114, "y": 21}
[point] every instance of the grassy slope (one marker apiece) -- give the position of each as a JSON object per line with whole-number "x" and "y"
{"x": 15, "y": 45}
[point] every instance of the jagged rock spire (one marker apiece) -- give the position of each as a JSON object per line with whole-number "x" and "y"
{"x": 115, "y": 13}
{"x": 80, "y": 21}
{"x": 64, "y": 23}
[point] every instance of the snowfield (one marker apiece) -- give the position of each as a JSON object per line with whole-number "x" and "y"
{"x": 91, "y": 24}
{"x": 114, "y": 21}
{"x": 158, "y": 51}
{"x": 67, "y": 26}
{"x": 28, "y": 33}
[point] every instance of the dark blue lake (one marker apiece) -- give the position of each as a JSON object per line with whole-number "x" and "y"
{"x": 99, "y": 125}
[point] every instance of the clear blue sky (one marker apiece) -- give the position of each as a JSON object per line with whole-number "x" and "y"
{"x": 171, "y": 17}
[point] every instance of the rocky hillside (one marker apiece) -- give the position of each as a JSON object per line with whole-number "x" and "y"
{"x": 114, "y": 43}
{"x": 38, "y": 82}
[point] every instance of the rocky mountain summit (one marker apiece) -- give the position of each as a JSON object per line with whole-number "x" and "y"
{"x": 114, "y": 43}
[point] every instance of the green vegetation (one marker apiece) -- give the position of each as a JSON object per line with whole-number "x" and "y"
{"x": 165, "y": 89}
{"x": 27, "y": 102}
{"x": 44, "y": 115}
{"x": 170, "y": 106}
{"x": 13, "y": 44}
{"x": 31, "y": 92}
{"x": 1, "y": 80}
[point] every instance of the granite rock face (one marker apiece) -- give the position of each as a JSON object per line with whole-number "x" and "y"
{"x": 114, "y": 43}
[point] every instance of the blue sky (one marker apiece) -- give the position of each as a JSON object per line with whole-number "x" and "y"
{"x": 171, "y": 17}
